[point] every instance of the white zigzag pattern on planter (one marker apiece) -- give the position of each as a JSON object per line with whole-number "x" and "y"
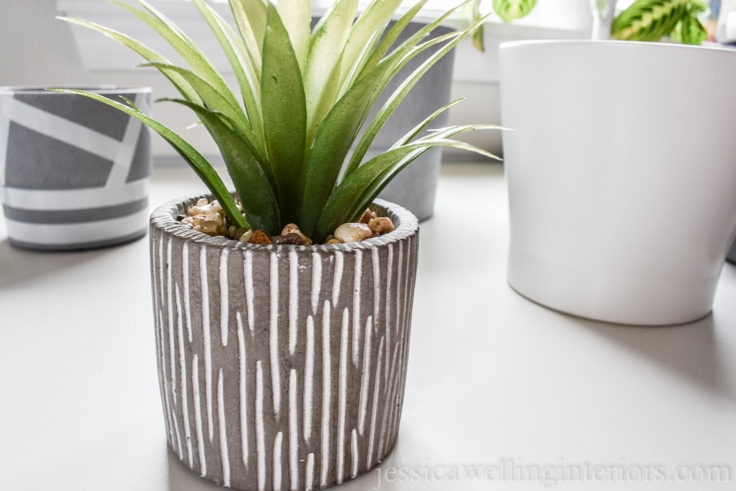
{"x": 70, "y": 213}
{"x": 277, "y": 370}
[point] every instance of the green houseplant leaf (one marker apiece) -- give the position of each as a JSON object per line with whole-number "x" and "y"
{"x": 199, "y": 164}
{"x": 643, "y": 20}
{"x": 509, "y": 10}
{"x": 649, "y": 20}
{"x": 305, "y": 95}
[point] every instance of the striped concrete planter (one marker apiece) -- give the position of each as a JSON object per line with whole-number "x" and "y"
{"x": 281, "y": 367}
{"x": 74, "y": 171}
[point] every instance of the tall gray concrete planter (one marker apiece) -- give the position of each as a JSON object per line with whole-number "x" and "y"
{"x": 74, "y": 171}
{"x": 415, "y": 188}
{"x": 281, "y": 367}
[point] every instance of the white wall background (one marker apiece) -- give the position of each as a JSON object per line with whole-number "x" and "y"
{"x": 37, "y": 49}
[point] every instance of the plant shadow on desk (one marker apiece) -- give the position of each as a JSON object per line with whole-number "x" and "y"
{"x": 691, "y": 351}
{"x": 181, "y": 478}
{"x": 18, "y": 265}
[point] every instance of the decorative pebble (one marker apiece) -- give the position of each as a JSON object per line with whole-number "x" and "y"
{"x": 295, "y": 239}
{"x": 260, "y": 237}
{"x": 293, "y": 229}
{"x": 381, "y": 225}
{"x": 246, "y": 236}
{"x": 353, "y": 232}
{"x": 209, "y": 218}
{"x": 367, "y": 216}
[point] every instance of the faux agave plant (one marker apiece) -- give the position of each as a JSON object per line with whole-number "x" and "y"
{"x": 643, "y": 20}
{"x": 291, "y": 136}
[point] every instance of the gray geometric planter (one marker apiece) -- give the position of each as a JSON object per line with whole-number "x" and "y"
{"x": 281, "y": 367}
{"x": 74, "y": 171}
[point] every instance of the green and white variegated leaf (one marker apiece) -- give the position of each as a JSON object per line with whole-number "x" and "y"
{"x": 250, "y": 16}
{"x": 363, "y": 37}
{"x": 297, "y": 18}
{"x": 145, "y": 52}
{"x": 246, "y": 73}
{"x": 306, "y": 98}
{"x": 183, "y": 45}
{"x": 474, "y": 14}
{"x": 199, "y": 164}
{"x": 450, "y": 40}
{"x": 509, "y": 10}
{"x": 322, "y": 71}
{"x": 650, "y": 20}
{"x": 360, "y": 188}
{"x": 284, "y": 114}
{"x": 340, "y": 128}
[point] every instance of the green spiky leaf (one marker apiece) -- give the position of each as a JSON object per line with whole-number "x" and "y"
{"x": 199, "y": 164}
{"x": 284, "y": 114}
{"x": 305, "y": 96}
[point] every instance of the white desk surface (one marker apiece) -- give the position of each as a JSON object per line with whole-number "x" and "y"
{"x": 500, "y": 390}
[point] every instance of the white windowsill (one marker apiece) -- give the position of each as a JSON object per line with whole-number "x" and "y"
{"x": 101, "y": 54}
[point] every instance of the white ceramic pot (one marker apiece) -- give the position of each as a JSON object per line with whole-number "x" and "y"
{"x": 621, "y": 169}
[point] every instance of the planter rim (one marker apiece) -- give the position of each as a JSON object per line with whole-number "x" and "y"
{"x": 97, "y": 89}
{"x": 616, "y": 44}
{"x": 164, "y": 217}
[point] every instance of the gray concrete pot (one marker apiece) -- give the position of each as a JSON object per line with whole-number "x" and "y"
{"x": 415, "y": 187}
{"x": 74, "y": 171}
{"x": 281, "y": 367}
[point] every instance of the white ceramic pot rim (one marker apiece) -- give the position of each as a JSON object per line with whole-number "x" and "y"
{"x": 164, "y": 218}
{"x": 617, "y": 44}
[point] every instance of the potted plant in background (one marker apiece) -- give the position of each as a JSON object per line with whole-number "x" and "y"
{"x": 282, "y": 366}
{"x": 619, "y": 166}
{"x": 74, "y": 171}
{"x": 415, "y": 187}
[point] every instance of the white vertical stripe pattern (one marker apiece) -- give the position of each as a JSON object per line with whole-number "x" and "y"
{"x": 249, "y": 290}
{"x": 224, "y": 453}
{"x": 187, "y": 295}
{"x": 342, "y": 405}
{"x": 274, "y": 331}
{"x": 277, "y": 456}
{"x": 183, "y": 369}
{"x": 293, "y": 299}
{"x": 308, "y": 380}
{"x": 260, "y": 429}
{"x": 243, "y": 368}
{"x": 316, "y": 280}
{"x": 356, "y": 304}
{"x": 317, "y": 394}
{"x": 205, "y": 301}
{"x": 293, "y": 430}
{"x": 172, "y": 320}
{"x": 198, "y": 416}
{"x": 326, "y": 394}
{"x": 224, "y": 300}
